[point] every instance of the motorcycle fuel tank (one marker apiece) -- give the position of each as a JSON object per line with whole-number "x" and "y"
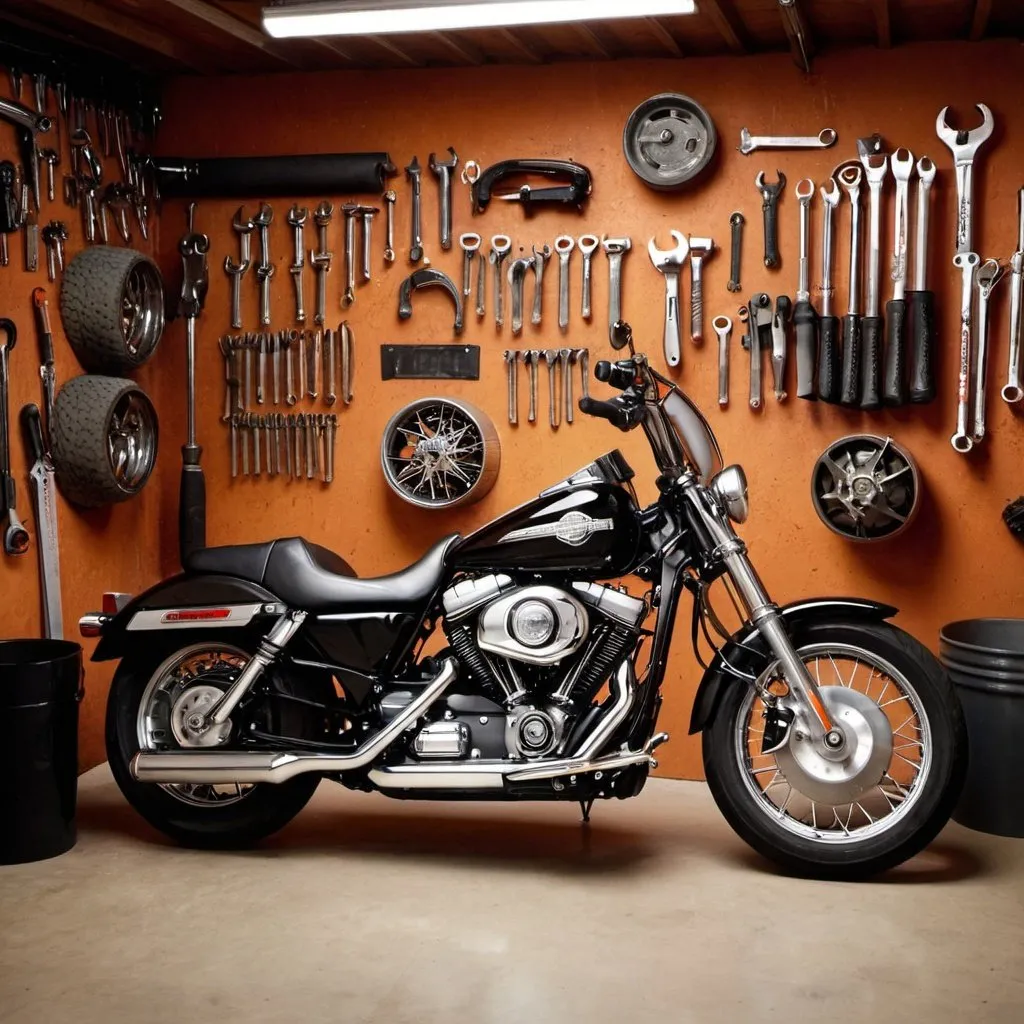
{"x": 587, "y": 525}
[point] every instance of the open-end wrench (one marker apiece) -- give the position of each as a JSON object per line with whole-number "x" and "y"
{"x": 564, "y": 245}
{"x": 736, "y": 222}
{"x": 470, "y": 243}
{"x": 244, "y": 227}
{"x": 414, "y": 174}
{"x": 587, "y": 245}
{"x": 501, "y": 246}
{"x": 540, "y": 257}
{"x": 297, "y": 219}
{"x": 805, "y": 317}
{"x": 321, "y": 260}
{"x": 615, "y": 249}
{"x": 770, "y": 209}
{"x": 517, "y": 271}
{"x": 531, "y": 359}
{"x": 967, "y": 264}
{"x": 823, "y": 140}
{"x": 443, "y": 169}
{"x": 894, "y": 389}
{"x": 264, "y": 269}
{"x": 511, "y": 357}
{"x": 700, "y": 250}
{"x": 566, "y": 357}
{"x": 723, "y": 328}
{"x": 1013, "y": 392}
{"x": 876, "y": 169}
{"x": 551, "y": 358}
{"x": 850, "y": 178}
{"x": 366, "y": 215}
{"x": 388, "y": 199}
{"x": 669, "y": 263}
{"x": 583, "y": 358}
{"x": 350, "y": 210}
{"x": 783, "y": 310}
{"x": 235, "y": 271}
{"x": 989, "y": 274}
{"x": 964, "y": 145}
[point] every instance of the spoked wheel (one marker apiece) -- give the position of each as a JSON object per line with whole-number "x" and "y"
{"x": 159, "y": 704}
{"x": 875, "y": 798}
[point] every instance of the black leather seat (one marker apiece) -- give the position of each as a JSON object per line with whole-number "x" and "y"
{"x": 308, "y": 576}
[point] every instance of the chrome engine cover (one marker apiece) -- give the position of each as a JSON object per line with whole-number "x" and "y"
{"x": 496, "y": 627}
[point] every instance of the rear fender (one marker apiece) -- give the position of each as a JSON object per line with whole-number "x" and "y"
{"x": 184, "y": 602}
{"x": 748, "y": 651}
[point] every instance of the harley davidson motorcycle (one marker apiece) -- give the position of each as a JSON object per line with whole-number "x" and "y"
{"x": 833, "y": 741}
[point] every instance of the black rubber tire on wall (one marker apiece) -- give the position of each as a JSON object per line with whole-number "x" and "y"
{"x": 86, "y": 411}
{"x": 112, "y": 306}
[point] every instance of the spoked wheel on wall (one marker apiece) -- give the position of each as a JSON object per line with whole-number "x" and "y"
{"x": 875, "y": 798}
{"x": 159, "y": 703}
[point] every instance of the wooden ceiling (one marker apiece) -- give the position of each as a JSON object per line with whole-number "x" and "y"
{"x": 224, "y": 36}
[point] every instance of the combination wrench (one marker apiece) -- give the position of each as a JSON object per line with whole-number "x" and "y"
{"x": 388, "y": 199}
{"x": 1013, "y": 392}
{"x": 321, "y": 260}
{"x": 669, "y": 263}
{"x": 469, "y": 243}
{"x": 876, "y": 169}
{"x": 736, "y": 222}
{"x": 297, "y": 217}
{"x": 414, "y": 173}
{"x": 770, "y": 209}
{"x": 615, "y": 249}
{"x": 805, "y": 319}
{"x": 920, "y": 300}
{"x": 828, "y": 325}
{"x": 501, "y": 246}
{"x": 265, "y": 269}
{"x": 850, "y": 178}
{"x": 894, "y": 390}
{"x": 540, "y": 257}
{"x": 587, "y": 244}
{"x": 723, "y": 328}
{"x": 823, "y": 140}
{"x": 512, "y": 370}
{"x": 989, "y": 274}
{"x": 564, "y": 245}
{"x": 967, "y": 264}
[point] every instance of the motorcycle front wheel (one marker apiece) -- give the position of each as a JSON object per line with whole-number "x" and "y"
{"x": 880, "y": 799}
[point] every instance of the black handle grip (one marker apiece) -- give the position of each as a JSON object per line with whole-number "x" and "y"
{"x": 871, "y": 363}
{"x": 828, "y": 360}
{"x": 191, "y": 511}
{"x": 609, "y": 411}
{"x": 32, "y": 429}
{"x": 921, "y": 317}
{"x": 894, "y": 391}
{"x": 805, "y": 320}
{"x": 849, "y": 389}
{"x": 771, "y": 234}
{"x": 43, "y": 322}
{"x": 616, "y": 375}
{"x": 8, "y": 328}
{"x": 578, "y": 189}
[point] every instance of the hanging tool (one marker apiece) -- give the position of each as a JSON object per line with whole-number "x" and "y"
{"x": 587, "y": 244}
{"x": 30, "y": 124}
{"x": 615, "y": 249}
{"x": 540, "y": 257}
{"x": 583, "y": 358}
{"x": 321, "y": 260}
{"x": 44, "y": 496}
{"x": 350, "y": 212}
{"x": 783, "y": 311}
{"x": 758, "y": 316}
{"x": 823, "y": 140}
{"x": 895, "y": 388}
{"x": 828, "y": 326}
{"x": 512, "y": 372}
{"x": 990, "y": 273}
{"x": 517, "y": 271}
{"x": 427, "y": 278}
{"x": 876, "y": 168}
{"x": 564, "y": 245}
{"x": 15, "y": 535}
{"x": 193, "y": 248}
{"x": 443, "y": 169}
{"x": 389, "y": 198}
{"x": 723, "y": 328}
{"x": 805, "y": 317}
{"x": 967, "y": 263}
{"x": 551, "y": 358}
{"x": 47, "y": 373}
{"x": 849, "y": 392}
{"x": 736, "y": 222}
{"x": 531, "y": 359}
{"x": 501, "y": 245}
{"x": 366, "y": 215}
{"x": 347, "y": 361}
{"x": 330, "y": 366}
{"x": 297, "y": 217}
{"x": 669, "y": 263}
{"x": 701, "y": 249}
{"x": 469, "y": 243}
{"x": 264, "y": 269}
{"x": 921, "y": 301}
{"x": 10, "y": 207}
{"x": 414, "y": 174}
{"x": 573, "y": 190}
{"x": 770, "y": 209}
{"x": 566, "y": 357}
{"x": 1012, "y": 392}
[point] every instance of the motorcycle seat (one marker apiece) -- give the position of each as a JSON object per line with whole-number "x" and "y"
{"x": 311, "y": 577}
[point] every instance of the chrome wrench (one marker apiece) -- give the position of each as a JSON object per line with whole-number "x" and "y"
{"x": 823, "y": 140}
{"x": 470, "y": 244}
{"x": 669, "y": 263}
{"x": 967, "y": 263}
{"x": 501, "y": 246}
{"x": 615, "y": 249}
{"x": 564, "y": 245}
{"x": 540, "y": 257}
{"x": 587, "y": 245}
{"x": 990, "y": 273}
{"x": 723, "y": 328}
{"x": 1013, "y": 392}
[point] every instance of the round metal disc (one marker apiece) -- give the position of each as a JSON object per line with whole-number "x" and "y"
{"x": 669, "y": 140}
{"x": 865, "y": 488}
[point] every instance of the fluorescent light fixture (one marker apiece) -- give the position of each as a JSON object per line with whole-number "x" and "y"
{"x": 381, "y": 17}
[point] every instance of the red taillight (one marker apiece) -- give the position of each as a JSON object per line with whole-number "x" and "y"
{"x": 196, "y": 615}
{"x": 113, "y": 602}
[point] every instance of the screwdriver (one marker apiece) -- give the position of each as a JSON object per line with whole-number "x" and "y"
{"x": 871, "y": 323}
{"x": 805, "y": 319}
{"x": 828, "y": 349}
{"x": 921, "y": 301}
{"x": 849, "y": 392}
{"x": 895, "y": 390}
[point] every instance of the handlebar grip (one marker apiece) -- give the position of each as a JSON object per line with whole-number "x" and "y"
{"x": 828, "y": 360}
{"x": 895, "y": 387}
{"x": 849, "y": 392}
{"x": 609, "y": 411}
{"x": 921, "y": 313}
{"x": 805, "y": 319}
{"x": 614, "y": 374}
{"x": 871, "y": 363}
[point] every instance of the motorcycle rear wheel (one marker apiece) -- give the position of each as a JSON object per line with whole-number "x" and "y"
{"x": 880, "y": 805}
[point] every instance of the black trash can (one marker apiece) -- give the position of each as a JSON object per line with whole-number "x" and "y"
{"x": 985, "y": 660}
{"x": 40, "y": 690}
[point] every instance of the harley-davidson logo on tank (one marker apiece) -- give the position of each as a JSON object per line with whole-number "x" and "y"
{"x": 573, "y": 528}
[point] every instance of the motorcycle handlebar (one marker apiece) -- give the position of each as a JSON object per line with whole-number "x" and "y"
{"x": 615, "y": 412}
{"x": 615, "y": 374}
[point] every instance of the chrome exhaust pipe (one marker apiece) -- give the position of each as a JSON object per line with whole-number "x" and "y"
{"x": 218, "y": 767}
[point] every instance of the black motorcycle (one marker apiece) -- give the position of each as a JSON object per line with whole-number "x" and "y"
{"x": 833, "y": 741}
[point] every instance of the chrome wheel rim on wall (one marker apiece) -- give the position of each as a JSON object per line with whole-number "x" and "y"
{"x": 131, "y": 441}
{"x": 440, "y": 453}
{"x": 865, "y": 488}
{"x": 142, "y": 311}
{"x": 857, "y": 686}
{"x": 182, "y": 687}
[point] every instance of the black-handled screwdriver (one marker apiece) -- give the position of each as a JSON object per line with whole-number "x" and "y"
{"x": 871, "y": 325}
{"x": 828, "y": 327}
{"x": 849, "y": 391}
{"x": 805, "y": 317}
{"x": 921, "y": 301}
{"x": 894, "y": 390}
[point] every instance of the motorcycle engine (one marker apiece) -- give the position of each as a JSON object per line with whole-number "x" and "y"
{"x": 539, "y": 654}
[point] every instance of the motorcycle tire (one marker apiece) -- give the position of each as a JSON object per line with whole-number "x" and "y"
{"x": 823, "y": 853}
{"x": 266, "y": 807}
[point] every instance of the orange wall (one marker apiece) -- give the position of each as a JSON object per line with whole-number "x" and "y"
{"x": 956, "y": 561}
{"x": 100, "y": 549}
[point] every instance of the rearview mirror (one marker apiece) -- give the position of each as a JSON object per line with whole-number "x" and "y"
{"x": 621, "y": 335}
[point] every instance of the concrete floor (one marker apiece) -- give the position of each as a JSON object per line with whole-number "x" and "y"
{"x": 368, "y": 909}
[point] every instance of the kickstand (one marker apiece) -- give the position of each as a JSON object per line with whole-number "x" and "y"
{"x": 585, "y": 806}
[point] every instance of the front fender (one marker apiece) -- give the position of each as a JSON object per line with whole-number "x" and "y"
{"x": 181, "y": 591}
{"x": 745, "y": 650}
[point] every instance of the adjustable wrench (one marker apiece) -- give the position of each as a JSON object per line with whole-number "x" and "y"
{"x": 470, "y": 243}
{"x": 964, "y": 145}
{"x": 723, "y": 328}
{"x": 669, "y": 263}
{"x": 443, "y": 170}
{"x": 770, "y": 209}
{"x": 389, "y": 198}
{"x": 894, "y": 391}
{"x": 540, "y": 257}
{"x": 501, "y": 245}
{"x": 297, "y": 219}
{"x": 414, "y": 175}
{"x": 551, "y": 358}
{"x": 783, "y": 308}
{"x": 517, "y": 271}
{"x": 566, "y": 357}
{"x": 321, "y": 260}
{"x": 564, "y": 245}
{"x": 350, "y": 210}
{"x": 989, "y": 274}
{"x": 736, "y": 222}
{"x": 805, "y": 318}
{"x": 587, "y": 244}
{"x": 850, "y": 178}
{"x": 531, "y": 359}
{"x": 511, "y": 357}
{"x": 875, "y": 173}
{"x": 1013, "y": 392}
{"x": 265, "y": 269}
{"x": 615, "y": 249}
{"x": 235, "y": 271}
{"x": 700, "y": 250}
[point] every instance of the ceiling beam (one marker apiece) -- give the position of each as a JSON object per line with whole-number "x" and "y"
{"x": 726, "y": 21}
{"x": 463, "y": 50}
{"x": 530, "y": 56}
{"x": 236, "y": 29}
{"x": 137, "y": 33}
{"x": 328, "y": 43}
{"x": 662, "y": 34}
{"x": 395, "y": 51}
{"x": 589, "y": 36}
{"x": 979, "y": 21}
{"x": 883, "y": 23}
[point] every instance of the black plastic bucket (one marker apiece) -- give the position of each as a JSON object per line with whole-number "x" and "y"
{"x": 985, "y": 660}
{"x": 40, "y": 689}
